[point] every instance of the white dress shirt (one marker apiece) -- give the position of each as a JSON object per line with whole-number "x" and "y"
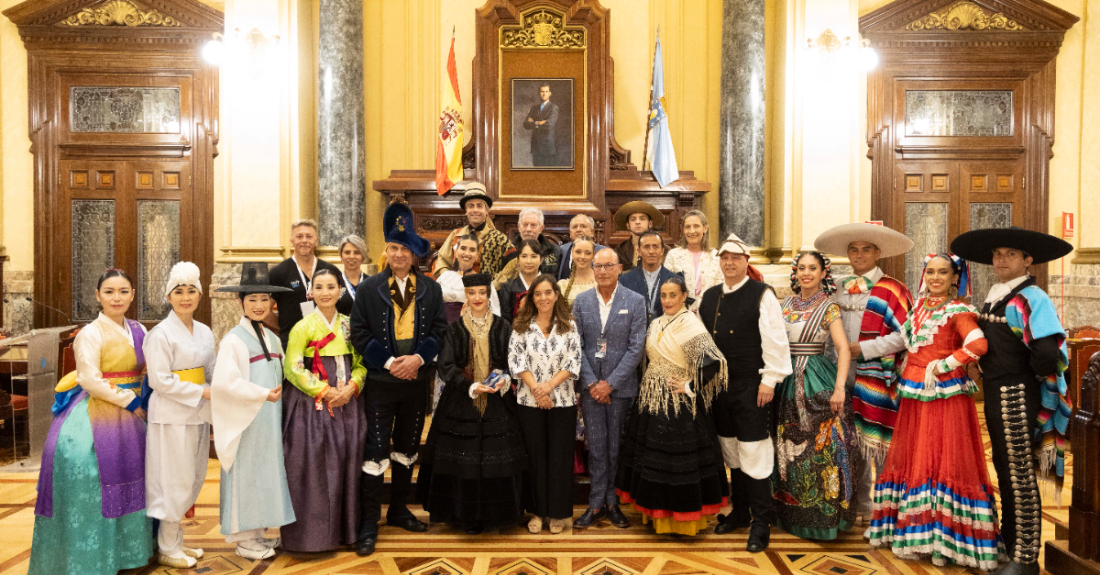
{"x": 605, "y": 307}
{"x": 773, "y": 337}
{"x": 1000, "y": 290}
{"x": 171, "y": 347}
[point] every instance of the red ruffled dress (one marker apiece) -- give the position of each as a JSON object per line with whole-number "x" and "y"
{"x": 934, "y": 497}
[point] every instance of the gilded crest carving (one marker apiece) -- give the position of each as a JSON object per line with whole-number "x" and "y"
{"x": 119, "y": 13}
{"x": 541, "y": 28}
{"x": 964, "y": 15}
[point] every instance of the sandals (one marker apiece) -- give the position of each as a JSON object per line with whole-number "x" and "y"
{"x": 535, "y": 525}
{"x": 557, "y": 525}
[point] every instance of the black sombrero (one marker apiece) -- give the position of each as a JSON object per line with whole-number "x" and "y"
{"x": 254, "y": 280}
{"x": 978, "y": 245}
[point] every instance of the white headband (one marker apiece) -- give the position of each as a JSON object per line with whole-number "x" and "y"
{"x": 182, "y": 274}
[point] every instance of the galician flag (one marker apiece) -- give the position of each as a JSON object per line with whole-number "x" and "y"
{"x": 448, "y": 149}
{"x": 660, "y": 154}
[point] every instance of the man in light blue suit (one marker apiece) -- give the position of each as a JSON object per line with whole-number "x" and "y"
{"x": 647, "y": 277}
{"x": 611, "y": 321}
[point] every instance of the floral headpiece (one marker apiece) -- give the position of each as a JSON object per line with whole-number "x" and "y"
{"x": 962, "y": 284}
{"x": 828, "y": 285}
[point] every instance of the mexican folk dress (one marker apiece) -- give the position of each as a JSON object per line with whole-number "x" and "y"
{"x": 248, "y": 434}
{"x": 933, "y": 496}
{"x": 91, "y": 490}
{"x": 323, "y": 446}
{"x": 670, "y": 462}
{"x": 816, "y": 449}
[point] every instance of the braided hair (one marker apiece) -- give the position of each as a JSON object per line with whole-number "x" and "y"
{"x": 573, "y": 264}
{"x": 828, "y": 285}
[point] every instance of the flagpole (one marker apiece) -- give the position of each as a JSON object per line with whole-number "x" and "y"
{"x": 645, "y": 146}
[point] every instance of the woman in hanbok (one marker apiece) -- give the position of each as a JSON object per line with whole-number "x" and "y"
{"x": 324, "y": 425}
{"x": 933, "y": 497}
{"x": 581, "y": 275}
{"x": 474, "y": 459}
{"x": 245, "y": 391}
{"x": 90, "y": 513}
{"x": 353, "y": 254}
{"x": 466, "y": 254}
{"x": 815, "y": 446}
{"x": 693, "y": 258}
{"x": 511, "y": 292}
{"x": 179, "y": 353}
{"x": 670, "y": 462}
{"x": 545, "y": 356}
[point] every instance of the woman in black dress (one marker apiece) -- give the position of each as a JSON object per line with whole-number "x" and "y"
{"x": 511, "y": 292}
{"x": 474, "y": 457}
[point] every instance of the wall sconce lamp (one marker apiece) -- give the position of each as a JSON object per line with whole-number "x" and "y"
{"x": 254, "y": 46}
{"x": 828, "y": 45}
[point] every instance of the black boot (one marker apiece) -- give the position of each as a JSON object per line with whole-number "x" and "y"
{"x": 1014, "y": 568}
{"x": 739, "y": 513}
{"x": 759, "y": 492}
{"x": 398, "y": 515}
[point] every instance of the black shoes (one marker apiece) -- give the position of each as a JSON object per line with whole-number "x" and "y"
{"x": 615, "y": 515}
{"x": 759, "y": 537}
{"x": 1014, "y": 568}
{"x": 590, "y": 517}
{"x": 365, "y": 546}
{"x": 408, "y": 522}
{"x": 730, "y": 523}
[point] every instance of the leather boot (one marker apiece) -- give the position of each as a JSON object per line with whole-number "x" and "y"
{"x": 759, "y": 493}
{"x": 1014, "y": 568}
{"x": 738, "y": 517}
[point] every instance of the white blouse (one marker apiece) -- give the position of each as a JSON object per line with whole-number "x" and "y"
{"x": 709, "y": 273}
{"x": 544, "y": 357}
{"x": 171, "y": 347}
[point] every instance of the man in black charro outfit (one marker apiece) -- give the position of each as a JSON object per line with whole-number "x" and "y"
{"x": 744, "y": 318}
{"x": 1022, "y": 374}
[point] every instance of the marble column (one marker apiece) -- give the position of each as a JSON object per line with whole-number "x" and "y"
{"x": 741, "y": 129}
{"x": 341, "y": 140}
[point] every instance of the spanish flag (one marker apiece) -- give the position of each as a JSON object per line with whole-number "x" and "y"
{"x": 448, "y": 149}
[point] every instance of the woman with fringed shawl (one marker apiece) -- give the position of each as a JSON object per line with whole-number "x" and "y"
{"x": 471, "y": 471}
{"x": 933, "y": 497}
{"x": 670, "y": 462}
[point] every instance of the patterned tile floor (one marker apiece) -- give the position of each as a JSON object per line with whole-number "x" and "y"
{"x": 600, "y": 550}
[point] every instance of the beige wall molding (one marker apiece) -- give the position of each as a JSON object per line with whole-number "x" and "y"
{"x": 1086, "y": 256}
{"x": 240, "y": 254}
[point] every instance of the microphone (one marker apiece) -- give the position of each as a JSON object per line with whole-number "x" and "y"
{"x": 50, "y": 307}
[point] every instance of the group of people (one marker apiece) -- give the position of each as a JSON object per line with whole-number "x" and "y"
{"x": 845, "y": 401}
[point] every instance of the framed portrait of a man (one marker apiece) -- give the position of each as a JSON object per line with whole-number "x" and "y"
{"x": 542, "y": 124}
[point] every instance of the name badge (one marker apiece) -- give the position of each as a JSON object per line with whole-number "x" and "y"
{"x": 601, "y": 348}
{"x": 307, "y": 307}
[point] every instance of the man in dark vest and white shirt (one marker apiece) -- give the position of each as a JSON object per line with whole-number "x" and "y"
{"x": 745, "y": 320}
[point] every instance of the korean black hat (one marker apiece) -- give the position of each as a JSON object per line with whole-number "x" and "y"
{"x": 398, "y": 225}
{"x": 254, "y": 280}
{"x": 978, "y": 245}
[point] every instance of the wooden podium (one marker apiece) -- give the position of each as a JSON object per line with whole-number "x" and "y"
{"x": 521, "y": 44}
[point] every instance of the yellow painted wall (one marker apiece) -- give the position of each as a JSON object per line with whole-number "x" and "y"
{"x": 16, "y": 161}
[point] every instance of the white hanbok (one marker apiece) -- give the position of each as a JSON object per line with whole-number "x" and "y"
{"x": 177, "y": 448}
{"x": 248, "y": 435}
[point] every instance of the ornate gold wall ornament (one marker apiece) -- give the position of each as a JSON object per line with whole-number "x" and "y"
{"x": 828, "y": 42}
{"x": 119, "y": 13}
{"x": 964, "y": 15}
{"x": 541, "y": 28}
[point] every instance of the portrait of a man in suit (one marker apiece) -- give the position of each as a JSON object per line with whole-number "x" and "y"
{"x": 542, "y": 123}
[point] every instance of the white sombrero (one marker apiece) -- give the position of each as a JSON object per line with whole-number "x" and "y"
{"x": 889, "y": 242}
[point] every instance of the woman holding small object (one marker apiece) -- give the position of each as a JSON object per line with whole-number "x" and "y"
{"x": 474, "y": 459}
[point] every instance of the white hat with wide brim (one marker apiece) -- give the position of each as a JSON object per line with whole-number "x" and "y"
{"x": 889, "y": 242}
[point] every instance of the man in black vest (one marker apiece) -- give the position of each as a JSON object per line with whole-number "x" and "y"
{"x": 397, "y": 326}
{"x": 746, "y": 322}
{"x": 1025, "y": 406}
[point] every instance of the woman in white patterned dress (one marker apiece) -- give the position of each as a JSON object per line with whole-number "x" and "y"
{"x": 545, "y": 355}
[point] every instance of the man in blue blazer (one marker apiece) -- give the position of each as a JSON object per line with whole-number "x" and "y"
{"x": 611, "y": 321}
{"x": 397, "y": 325}
{"x": 646, "y": 279}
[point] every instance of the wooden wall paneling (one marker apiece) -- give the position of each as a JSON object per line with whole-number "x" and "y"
{"x": 163, "y": 49}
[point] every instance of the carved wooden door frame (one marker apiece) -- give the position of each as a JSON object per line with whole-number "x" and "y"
{"x": 144, "y": 39}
